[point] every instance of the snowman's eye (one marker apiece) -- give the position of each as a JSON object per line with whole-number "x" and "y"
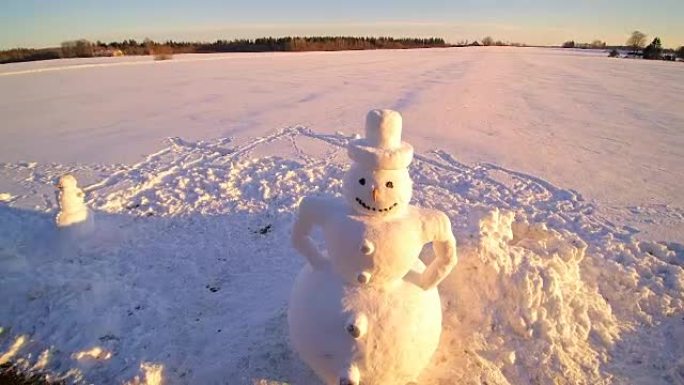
{"x": 389, "y": 185}
{"x": 362, "y": 181}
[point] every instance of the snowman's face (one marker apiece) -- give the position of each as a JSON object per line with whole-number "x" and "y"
{"x": 67, "y": 182}
{"x": 377, "y": 192}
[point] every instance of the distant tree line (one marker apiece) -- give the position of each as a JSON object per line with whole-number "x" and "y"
{"x": 318, "y": 43}
{"x": 27, "y": 54}
{"x": 77, "y": 48}
{"x": 636, "y": 46}
{"x": 653, "y": 51}
{"x": 488, "y": 41}
{"x": 85, "y": 48}
{"x": 596, "y": 44}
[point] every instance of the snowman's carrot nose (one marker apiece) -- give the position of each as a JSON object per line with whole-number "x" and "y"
{"x": 375, "y": 194}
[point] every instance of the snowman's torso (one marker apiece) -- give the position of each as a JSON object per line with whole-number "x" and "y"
{"x": 404, "y": 321}
{"x": 384, "y": 249}
{"x": 72, "y": 208}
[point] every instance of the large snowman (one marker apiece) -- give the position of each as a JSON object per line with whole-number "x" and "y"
{"x": 367, "y": 309}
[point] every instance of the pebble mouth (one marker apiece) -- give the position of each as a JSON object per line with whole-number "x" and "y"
{"x": 369, "y": 208}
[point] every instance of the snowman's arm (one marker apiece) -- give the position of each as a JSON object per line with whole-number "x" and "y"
{"x": 310, "y": 214}
{"x": 444, "y": 246}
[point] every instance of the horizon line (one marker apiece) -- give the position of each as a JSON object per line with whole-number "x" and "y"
{"x": 281, "y": 36}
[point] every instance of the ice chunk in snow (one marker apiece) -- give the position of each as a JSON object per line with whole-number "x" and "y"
{"x": 95, "y": 353}
{"x": 6, "y": 197}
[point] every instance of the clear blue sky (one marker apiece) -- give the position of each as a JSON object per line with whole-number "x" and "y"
{"x": 36, "y": 23}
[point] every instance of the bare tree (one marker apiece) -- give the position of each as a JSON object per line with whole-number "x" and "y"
{"x": 487, "y": 40}
{"x": 77, "y": 48}
{"x": 637, "y": 41}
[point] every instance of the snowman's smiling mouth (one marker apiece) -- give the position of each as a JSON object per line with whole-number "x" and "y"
{"x": 370, "y": 208}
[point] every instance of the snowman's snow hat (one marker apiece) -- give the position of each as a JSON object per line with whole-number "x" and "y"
{"x": 382, "y": 148}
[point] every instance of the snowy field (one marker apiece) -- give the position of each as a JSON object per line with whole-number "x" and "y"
{"x": 562, "y": 172}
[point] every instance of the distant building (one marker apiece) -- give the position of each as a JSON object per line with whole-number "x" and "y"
{"x": 107, "y": 52}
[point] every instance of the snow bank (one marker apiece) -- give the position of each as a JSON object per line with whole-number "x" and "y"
{"x": 528, "y": 305}
{"x": 519, "y": 307}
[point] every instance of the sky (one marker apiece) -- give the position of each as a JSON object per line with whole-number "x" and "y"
{"x": 45, "y": 23}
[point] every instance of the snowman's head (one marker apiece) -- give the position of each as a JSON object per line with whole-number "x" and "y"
{"x": 377, "y": 192}
{"x": 378, "y": 182}
{"x": 67, "y": 182}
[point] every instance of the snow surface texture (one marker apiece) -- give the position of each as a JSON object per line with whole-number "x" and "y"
{"x": 187, "y": 273}
{"x": 608, "y": 128}
{"x": 186, "y": 276}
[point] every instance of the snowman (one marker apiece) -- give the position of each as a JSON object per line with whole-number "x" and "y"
{"x": 70, "y": 198}
{"x": 366, "y": 310}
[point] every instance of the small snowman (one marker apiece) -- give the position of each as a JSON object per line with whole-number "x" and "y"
{"x": 72, "y": 208}
{"x": 368, "y": 309}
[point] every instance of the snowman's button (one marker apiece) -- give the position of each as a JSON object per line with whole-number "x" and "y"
{"x": 367, "y": 247}
{"x": 357, "y": 325}
{"x": 364, "y": 277}
{"x": 354, "y": 331}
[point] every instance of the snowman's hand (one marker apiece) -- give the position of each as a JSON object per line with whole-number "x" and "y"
{"x": 444, "y": 246}
{"x": 307, "y": 217}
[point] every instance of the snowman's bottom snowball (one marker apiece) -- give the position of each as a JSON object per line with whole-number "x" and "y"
{"x": 73, "y": 217}
{"x": 404, "y": 326}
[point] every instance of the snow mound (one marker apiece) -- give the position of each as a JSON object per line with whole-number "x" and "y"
{"x": 526, "y": 306}
{"x": 6, "y": 197}
{"x": 518, "y": 307}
